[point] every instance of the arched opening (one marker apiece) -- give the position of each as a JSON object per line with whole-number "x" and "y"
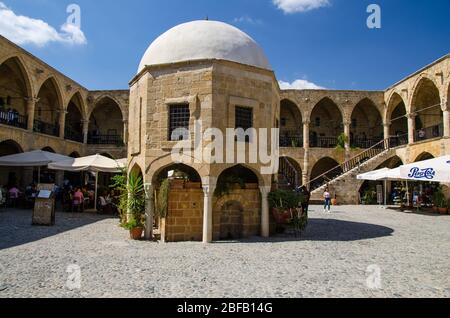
{"x": 14, "y": 93}
{"x": 75, "y": 154}
{"x": 427, "y": 107}
{"x": 291, "y": 125}
{"x": 289, "y": 174}
{"x": 236, "y": 213}
{"x": 325, "y": 170}
{"x": 48, "y": 149}
{"x": 366, "y": 128}
{"x": 424, "y": 156}
{"x": 399, "y": 123}
{"x": 107, "y": 155}
{"x": 326, "y": 124}
{"x": 47, "y": 109}
{"x": 10, "y": 176}
{"x": 106, "y": 124}
{"x": 179, "y": 203}
{"x": 74, "y": 120}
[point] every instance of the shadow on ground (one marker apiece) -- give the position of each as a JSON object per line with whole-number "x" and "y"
{"x": 328, "y": 231}
{"x": 16, "y": 228}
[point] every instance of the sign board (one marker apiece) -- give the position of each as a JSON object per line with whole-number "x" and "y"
{"x": 44, "y": 206}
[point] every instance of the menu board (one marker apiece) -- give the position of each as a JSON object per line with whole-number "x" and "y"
{"x": 44, "y": 206}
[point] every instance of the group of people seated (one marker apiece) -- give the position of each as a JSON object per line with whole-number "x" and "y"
{"x": 72, "y": 199}
{"x": 79, "y": 199}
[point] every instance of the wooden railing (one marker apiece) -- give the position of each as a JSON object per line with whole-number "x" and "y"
{"x": 288, "y": 171}
{"x": 73, "y": 135}
{"x": 429, "y": 133}
{"x": 105, "y": 140}
{"x": 291, "y": 139}
{"x": 323, "y": 142}
{"x": 349, "y": 165}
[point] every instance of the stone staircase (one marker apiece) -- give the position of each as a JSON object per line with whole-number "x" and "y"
{"x": 288, "y": 176}
{"x": 342, "y": 180}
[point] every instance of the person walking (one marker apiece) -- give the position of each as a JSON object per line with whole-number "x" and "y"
{"x": 327, "y": 201}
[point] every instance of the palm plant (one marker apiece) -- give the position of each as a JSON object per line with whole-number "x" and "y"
{"x": 135, "y": 201}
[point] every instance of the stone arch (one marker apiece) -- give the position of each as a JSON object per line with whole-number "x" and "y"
{"x": 326, "y": 124}
{"x": 49, "y": 149}
{"x": 110, "y": 97}
{"x": 15, "y": 91}
{"x": 74, "y": 119}
{"x": 9, "y": 176}
{"x": 366, "y": 128}
{"x": 24, "y": 72}
{"x": 237, "y": 206}
{"x": 322, "y": 172}
{"x": 48, "y": 107}
{"x": 261, "y": 181}
{"x": 106, "y": 124}
{"x": 291, "y": 124}
{"x": 396, "y": 115}
{"x": 424, "y": 156}
{"x": 426, "y": 104}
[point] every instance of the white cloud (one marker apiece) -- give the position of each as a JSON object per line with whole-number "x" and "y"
{"x": 294, "y": 6}
{"x": 25, "y": 30}
{"x": 248, "y": 20}
{"x": 299, "y": 84}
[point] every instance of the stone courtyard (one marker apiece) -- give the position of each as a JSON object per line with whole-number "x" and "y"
{"x": 330, "y": 260}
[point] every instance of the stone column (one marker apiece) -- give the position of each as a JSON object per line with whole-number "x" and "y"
{"x": 387, "y": 130}
{"x": 31, "y": 105}
{"x": 306, "y": 124}
{"x": 149, "y": 211}
{"x": 85, "y": 130}
{"x": 411, "y": 127}
{"x": 209, "y": 186}
{"x": 347, "y": 135}
{"x": 446, "y": 123}
{"x": 62, "y": 123}
{"x": 125, "y": 131}
{"x": 265, "y": 219}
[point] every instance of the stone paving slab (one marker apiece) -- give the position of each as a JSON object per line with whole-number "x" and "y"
{"x": 412, "y": 252}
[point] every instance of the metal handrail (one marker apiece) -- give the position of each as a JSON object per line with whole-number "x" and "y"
{"x": 354, "y": 162}
{"x": 283, "y": 168}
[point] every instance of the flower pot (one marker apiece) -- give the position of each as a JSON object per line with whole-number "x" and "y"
{"x": 334, "y": 202}
{"x": 443, "y": 211}
{"x": 435, "y": 209}
{"x": 136, "y": 233}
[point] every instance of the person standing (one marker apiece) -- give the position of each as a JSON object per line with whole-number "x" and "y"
{"x": 327, "y": 201}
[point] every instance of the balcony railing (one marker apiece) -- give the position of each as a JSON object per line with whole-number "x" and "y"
{"x": 73, "y": 135}
{"x": 364, "y": 143}
{"x": 429, "y": 133}
{"x": 324, "y": 142}
{"x": 13, "y": 119}
{"x": 105, "y": 140}
{"x": 46, "y": 128}
{"x": 400, "y": 140}
{"x": 291, "y": 139}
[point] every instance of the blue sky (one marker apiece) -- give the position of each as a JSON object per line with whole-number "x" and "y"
{"x": 326, "y": 42}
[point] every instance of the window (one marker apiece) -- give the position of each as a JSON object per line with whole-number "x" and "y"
{"x": 244, "y": 120}
{"x": 179, "y": 116}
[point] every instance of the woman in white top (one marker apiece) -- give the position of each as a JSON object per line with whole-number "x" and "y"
{"x": 327, "y": 201}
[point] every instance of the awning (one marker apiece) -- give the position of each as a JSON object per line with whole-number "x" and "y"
{"x": 37, "y": 158}
{"x": 433, "y": 170}
{"x": 96, "y": 163}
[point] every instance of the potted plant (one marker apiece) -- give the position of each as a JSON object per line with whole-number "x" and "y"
{"x": 119, "y": 185}
{"x": 334, "y": 201}
{"x": 440, "y": 202}
{"x": 342, "y": 140}
{"x": 136, "y": 207}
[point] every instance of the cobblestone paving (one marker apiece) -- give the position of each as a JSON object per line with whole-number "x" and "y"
{"x": 330, "y": 260}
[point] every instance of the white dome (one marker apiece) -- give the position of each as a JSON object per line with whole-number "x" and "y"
{"x": 204, "y": 40}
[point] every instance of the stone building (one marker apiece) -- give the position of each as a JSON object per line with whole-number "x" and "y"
{"x": 214, "y": 73}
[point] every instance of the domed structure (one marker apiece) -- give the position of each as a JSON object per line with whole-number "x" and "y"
{"x": 199, "y": 40}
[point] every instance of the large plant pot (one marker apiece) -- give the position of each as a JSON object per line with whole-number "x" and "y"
{"x": 435, "y": 209}
{"x": 136, "y": 233}
{"x": 443, "y": 211}
{"x": 334, "y": 202}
